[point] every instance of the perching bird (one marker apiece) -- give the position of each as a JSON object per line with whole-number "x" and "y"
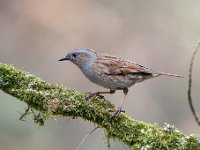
{"x": 111, "y": 72}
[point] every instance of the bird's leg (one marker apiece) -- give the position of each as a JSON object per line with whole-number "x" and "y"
{"x": 119, "y": 110}
{"x": 98, "y": 94}
{"x": 106, "y": 92}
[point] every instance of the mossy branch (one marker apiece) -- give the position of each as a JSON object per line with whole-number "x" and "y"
{"x": 52, "y": 100}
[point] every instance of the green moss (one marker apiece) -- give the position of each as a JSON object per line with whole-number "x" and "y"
{"x": 52, "y": 100}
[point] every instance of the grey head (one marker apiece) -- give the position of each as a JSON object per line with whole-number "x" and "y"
{"x": 82, "y": 57}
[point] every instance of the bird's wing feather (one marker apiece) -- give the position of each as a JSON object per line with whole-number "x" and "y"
{"x": 117, "y": 66}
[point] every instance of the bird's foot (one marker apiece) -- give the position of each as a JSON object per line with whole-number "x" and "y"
{"x": 116, "y": 113}
{"x": 95, "y": 95}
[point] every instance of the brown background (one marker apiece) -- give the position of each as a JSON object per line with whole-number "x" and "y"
{"x": 159, "y": 34}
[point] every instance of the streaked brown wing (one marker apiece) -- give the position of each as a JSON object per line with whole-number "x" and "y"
{"x": 117, "y": 66}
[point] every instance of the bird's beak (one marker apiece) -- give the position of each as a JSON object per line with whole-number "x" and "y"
{"x": 66, "y": 58}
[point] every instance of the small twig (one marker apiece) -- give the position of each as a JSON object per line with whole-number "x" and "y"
{"x": 107, "y": 140}
{"x": 86, "y": 137}
{"x": 23, "y": 115}
{"x": 190, "y": 85}
{"x": 34, "y": 114}
{"x": 37, "y": 118}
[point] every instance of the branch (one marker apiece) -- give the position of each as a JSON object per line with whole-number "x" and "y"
{"x": 52, "y": 100}
{"x": 190, "y": 85}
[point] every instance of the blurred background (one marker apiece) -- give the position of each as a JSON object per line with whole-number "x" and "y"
{"x": 158, "y": 34}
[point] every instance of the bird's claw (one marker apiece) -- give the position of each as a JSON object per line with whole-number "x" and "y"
{"x": 116, "y": 113}
{"x": 95, "y": 95}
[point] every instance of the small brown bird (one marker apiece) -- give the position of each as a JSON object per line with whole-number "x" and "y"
{"x": 111, "y": 72}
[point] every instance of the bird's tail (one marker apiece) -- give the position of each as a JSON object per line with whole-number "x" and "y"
{"x": 159, "y": 73}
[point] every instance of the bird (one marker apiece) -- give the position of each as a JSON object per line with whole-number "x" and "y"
{"x": 111, "y": 72}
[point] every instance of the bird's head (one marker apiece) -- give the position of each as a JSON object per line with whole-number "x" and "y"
{"x": 80, "y": 56}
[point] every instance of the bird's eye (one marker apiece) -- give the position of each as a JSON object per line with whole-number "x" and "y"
{"x": 74, "y": 55}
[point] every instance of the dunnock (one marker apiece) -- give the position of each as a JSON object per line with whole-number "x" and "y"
{"x": 111, "y": 72}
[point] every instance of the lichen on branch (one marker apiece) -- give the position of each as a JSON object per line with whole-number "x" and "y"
{"x": 53, "y": 100}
